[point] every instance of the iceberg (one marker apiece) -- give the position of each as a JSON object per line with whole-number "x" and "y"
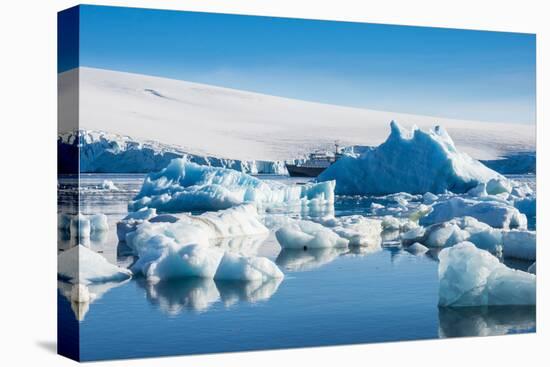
{"x": 358, "y": 230}
{"x": 247, "y": 268}
{"x": 469, "y": 276}
{"x": 455, "y": 231}
{"x": 497, "y": 214}
{"x": 82, "y": 226}
{"x": 304, "y": 234}
{"x": 84, "y": 266}
{"x": 417, "y": 249}
{"x": 242, "y": 220}
{"x": 519, "y": 244}
{"x": 184, "y": 186}
{"x": 184, "y": 248}
{"x": 417, "y": 162}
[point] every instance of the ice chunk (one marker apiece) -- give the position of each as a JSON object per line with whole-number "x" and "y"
{"x": 237, "y": 267}
{"x": 414, "y": 162}
{"x": 304, "y": 234}
{"x": 183, "y": 249}
{"x": 532, "y": 268}
{"x": 242, "y": 220}
{"x": 527, "y": 206}
{"x": 82, "y": 265}
{"x": 417, "y": 249}
{"x": 497, "y": 186}
{"x": 358, "y": 230}
{"x": 519, "y": 244}
{"x": 184, "y": 186}
{"x": 457, "y": 230}
{"x": 469, "y": 276}
{"x": 132, "y": 220}
{"x": 109, "y": 185}
{"x": 497, "y": 214}
{"x": 82, "y": 226}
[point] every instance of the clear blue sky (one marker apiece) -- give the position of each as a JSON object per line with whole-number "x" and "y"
{"x": 487, "y": 76}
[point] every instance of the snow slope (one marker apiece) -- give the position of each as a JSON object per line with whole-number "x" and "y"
{"x": 222, "y": 122}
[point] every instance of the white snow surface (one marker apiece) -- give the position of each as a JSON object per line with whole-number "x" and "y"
{"x": 413, "y": 161}
{"x": 469, "y": 276}
{"x": 183, "y": 186}
{"x": 81, "y": 265}
{"x": 222, "y": 122}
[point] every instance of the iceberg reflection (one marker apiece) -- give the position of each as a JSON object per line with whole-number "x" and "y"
{"x": 200, "y": 294}
{"x": 485, "y": 321}
{"x": 79, "y": 304}
{"x": 302, "y": 260}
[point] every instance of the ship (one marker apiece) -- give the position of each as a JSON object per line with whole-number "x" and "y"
{"x": 316, "y": 163}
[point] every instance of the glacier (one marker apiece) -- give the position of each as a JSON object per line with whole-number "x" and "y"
{"x": 184, "y": 186}
{"x": 104, "y": 152}
{"x": 415, "y": 162}
{"x": 469, "y": 276}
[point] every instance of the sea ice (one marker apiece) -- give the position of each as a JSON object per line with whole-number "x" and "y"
{"x": 469, "y": 276}
{"x": 184, "y": 186}
{"x": 84, "y": 266}
{"x": 415, "y": 162}
{"x": 495, "y": 213}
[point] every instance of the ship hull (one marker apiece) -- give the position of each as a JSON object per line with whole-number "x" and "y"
{"x": 300, "y": 171}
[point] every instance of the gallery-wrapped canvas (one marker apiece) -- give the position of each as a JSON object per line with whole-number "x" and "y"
{"x": 234, "y": 183}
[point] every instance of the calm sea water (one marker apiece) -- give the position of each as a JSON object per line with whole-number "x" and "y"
{"x": 326, "y": 298}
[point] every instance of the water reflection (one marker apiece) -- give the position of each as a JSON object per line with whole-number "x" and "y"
{"x": 483, "y": 321}
{"x": 81, "y": 305}
{"x": 199, "y": 294}
{"x": 303, "y": 260}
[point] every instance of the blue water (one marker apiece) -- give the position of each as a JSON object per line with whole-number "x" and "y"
{"x": 326, "y": 298}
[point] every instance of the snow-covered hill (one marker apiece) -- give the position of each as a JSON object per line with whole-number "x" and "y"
{"x": 221, "y": 122}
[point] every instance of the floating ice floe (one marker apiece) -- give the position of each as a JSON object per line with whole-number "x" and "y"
{"x": 109, "y": 185}
{"x": 184, "y": 186}
{"x": 469, "y": 276}
{"x": 84, "y": 266}
{"x": 417, "y": 249}
{"x": 415, "y": 162}
{"x": 304, "y": 234}
{"x": 357, "y": 229}
{"x": 497, "y": 214}
{"x": 241, "y": 220}
{"x": 183, "y": 248}
{"x": 518, "y": 244}
{"x": 82, "y": 226}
